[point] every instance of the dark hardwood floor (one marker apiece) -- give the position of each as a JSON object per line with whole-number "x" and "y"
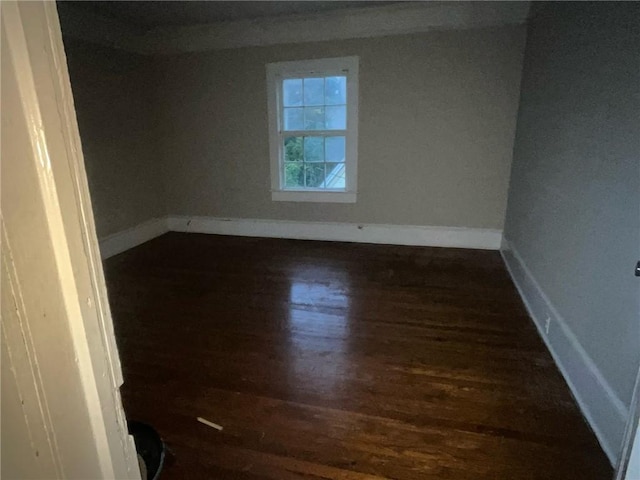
{"x": 340, "y": 361}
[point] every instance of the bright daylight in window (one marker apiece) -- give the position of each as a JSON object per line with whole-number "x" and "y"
{"x": 313, "y": 107}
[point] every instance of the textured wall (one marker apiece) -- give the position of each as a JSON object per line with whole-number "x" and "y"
{"x": 437, "y": 122}
{"x": 114, "y": 95}
{"x": 574, "y": 201}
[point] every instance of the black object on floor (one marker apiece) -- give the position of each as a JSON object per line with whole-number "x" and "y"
{"x": 149, "y": 446}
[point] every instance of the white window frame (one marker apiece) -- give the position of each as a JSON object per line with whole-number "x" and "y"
{"x": 276, "y": 73}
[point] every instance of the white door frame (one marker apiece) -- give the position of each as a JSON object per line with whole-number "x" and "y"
{"x": 45, "y": 105}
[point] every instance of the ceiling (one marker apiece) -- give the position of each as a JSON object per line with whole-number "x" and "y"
{"x": 150, "y": 14}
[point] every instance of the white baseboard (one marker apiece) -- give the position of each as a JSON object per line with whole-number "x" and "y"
{"x": 132, "y": 237}
{"x": 457, "y": 237}
{"x": 600, "y": 405}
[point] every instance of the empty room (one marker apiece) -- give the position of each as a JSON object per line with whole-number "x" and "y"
{"x": 321, "y": 240}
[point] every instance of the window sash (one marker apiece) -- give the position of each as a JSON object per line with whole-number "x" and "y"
{"x": 282, "y": 133}
{"x": 313, "y": 133}
{"x": 277, "y": 73}
{"x": 324, "y": 74}
{"x": 282, "y": 164}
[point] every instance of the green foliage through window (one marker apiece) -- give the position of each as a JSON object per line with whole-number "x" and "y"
{"x": 314, "y": 104}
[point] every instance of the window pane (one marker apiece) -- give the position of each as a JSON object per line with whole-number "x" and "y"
{"x": 313, "y": 149}
{"x": 335, "y": 90}
{"x": 294, "y": 175}
{"x": 314, "y": 91}
{"x": 336, "y": 118}
{"x": 336, "y": 175}
{"x": 293, "y": 149}
{"x": 314, "y": 118}
{"x": 292, "y": 92}
{"x": 314, "y": 175}
{"x": 334, "y": 149}
{"x": 293, "y": 119}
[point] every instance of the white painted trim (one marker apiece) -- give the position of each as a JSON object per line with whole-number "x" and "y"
{"x": 83, "y": 201}
{"x": 276, "y": 74}
{"x": 456, "y": 237}
{"x": 36, "y": 52}
{"x": 313, "y": 196}
{"x": 599, "y": 403}
{"x": 132, "y": 237}
{"x": 363, "y": 22}
{"x": 628, "y": 467}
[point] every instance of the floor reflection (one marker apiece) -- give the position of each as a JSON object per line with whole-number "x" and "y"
{"x": 319, "y": 326}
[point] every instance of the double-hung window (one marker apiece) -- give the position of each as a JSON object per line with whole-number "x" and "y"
{"x": 313, "y": 129}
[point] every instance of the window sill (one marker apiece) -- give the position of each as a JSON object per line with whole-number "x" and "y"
{"x": 313, "y": 196}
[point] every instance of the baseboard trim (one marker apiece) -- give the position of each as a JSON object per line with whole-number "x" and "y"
{"x": 132, "y": 237}
{"x": 456, "y": 237}
{"x": 600, "y": 405}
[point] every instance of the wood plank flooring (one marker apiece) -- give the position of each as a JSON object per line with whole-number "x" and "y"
{"x": 340, "y": 361}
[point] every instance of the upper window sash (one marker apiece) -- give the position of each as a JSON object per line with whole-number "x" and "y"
{"x": 313, "y": 103}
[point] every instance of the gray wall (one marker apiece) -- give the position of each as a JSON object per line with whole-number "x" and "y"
{"x": 437, "y": 122}
{"x": 114, "y": 96}
{"x": 573, "y": 213}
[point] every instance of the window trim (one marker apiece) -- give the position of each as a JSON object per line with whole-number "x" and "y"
{"x": 276, "y": 72}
